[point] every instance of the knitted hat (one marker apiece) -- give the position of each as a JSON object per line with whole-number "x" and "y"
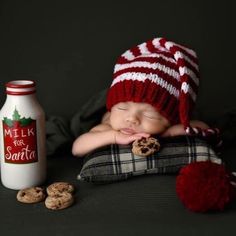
{"x": 161, "y": 73}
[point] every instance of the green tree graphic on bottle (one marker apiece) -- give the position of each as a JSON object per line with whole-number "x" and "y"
{"x": 20, "y": 139}
{"x": 16, "y": 120}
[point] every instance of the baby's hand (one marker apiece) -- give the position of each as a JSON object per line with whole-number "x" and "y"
{"x": 174, "y": 130}
{"x": 121, "y": 138}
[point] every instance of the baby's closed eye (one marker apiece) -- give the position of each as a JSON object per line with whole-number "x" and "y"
{"x": 151, "y": 115}
{"x": 122, "y": 108}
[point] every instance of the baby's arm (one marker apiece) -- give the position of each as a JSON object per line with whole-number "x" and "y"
{"x": 101, "y": 135}
{"x": 178, "y": 129}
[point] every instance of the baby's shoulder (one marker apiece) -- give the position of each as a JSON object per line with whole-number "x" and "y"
{"x": 104, "y": 125}
{"x": 106, "y": 118}
{"x": 100, "y": 127}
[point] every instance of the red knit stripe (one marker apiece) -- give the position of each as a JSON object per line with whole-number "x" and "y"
{"x": 168, "y": 78}
{"x": 135, "y": 50}
{"x": 161, "y": 49}
{"x": 193, "y": 58}
{"x": 151, "y": 48}
{"x": 167, "y": 54}
{"x": 122, "y": 60}
{"x": 175, "y": 49}
{"x": 162, "y": 42}
{"x": 189, "y": 80}
{"x": 186, "y": 104}
{"x": 154, "y": 60}
{"x": 192, "y": 84}
{"x": 182, "y": 62}
{"x": 154, "y": 49}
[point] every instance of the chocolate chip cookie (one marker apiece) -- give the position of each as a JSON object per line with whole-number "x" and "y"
{"x": 60, "y": 187}
{"x": 59, "y": 201}
{"x": 145, "y": 146}
{"x": 31, "y": 195}
{"x": 59, "y": 195}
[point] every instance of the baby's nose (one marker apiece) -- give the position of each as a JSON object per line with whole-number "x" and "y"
{"x": 133, "y": 119}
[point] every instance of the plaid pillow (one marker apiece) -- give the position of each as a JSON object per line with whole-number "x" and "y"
{"x": 117, "y": 162}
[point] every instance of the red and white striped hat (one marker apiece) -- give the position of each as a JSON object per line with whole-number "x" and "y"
{"x": 161, "y": 73}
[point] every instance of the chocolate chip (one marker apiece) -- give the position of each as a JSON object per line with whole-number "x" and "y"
{"x": 150, "y": 145}
{"x": 144, "y": 150}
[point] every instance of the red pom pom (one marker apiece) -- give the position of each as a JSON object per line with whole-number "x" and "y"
{"x": 204, "y": 186}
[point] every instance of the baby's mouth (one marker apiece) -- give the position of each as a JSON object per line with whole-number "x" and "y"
{"x": 127, "y": 131}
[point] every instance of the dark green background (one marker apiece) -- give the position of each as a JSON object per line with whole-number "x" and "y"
{"x": 70, "y": 47}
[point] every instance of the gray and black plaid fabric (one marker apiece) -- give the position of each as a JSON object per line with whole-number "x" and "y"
{"x": 117, "y": 162}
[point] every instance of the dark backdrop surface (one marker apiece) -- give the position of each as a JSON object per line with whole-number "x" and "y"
{"x": 70, "y": 47}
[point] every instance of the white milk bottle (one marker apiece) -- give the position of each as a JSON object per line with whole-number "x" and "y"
{"x": 22, "y": 137}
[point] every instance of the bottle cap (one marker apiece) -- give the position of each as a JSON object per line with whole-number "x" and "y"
{"x": 20, "y": 87}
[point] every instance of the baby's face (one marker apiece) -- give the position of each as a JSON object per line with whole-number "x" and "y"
{"x": 131, "y": 117}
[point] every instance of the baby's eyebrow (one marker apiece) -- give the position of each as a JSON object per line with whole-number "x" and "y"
{"x": 122, "y": 104}
{"x": 150, "y": 110}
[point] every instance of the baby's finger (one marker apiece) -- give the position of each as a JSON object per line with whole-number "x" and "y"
{"x": 142, "y": 135}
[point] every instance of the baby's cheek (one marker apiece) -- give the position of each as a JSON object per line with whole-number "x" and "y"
{"x": 154, "y": 128}
{"x": 115, "y": 123}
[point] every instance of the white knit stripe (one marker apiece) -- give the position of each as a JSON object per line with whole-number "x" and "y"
{"x": 143, "y": 48}
{"x": 144, "y": 64}
{"x": 157, "y": 45}
{"x": 190, "y": 73}
{"x": 152, "y": 77}
{"x": 128, "y": 55}
{"x": 156, "y": 42}
{"x": 186, "y": 88}
{"x": 154, "y": 55}
{"x": 180, "y": 55}
{"x": 169, "y": 44}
